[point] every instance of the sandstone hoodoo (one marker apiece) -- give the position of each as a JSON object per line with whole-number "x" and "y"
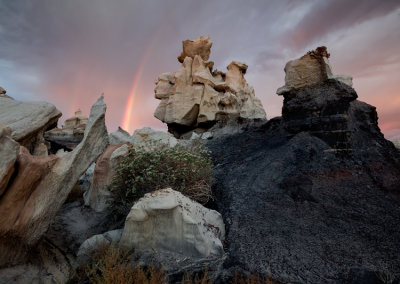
{"x": 70, "y": 135}
{"x": 196, "y": 96}
{"x": 312, "y": 196}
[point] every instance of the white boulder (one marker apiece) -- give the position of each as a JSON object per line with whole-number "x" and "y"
{"x": 166, "y": 219}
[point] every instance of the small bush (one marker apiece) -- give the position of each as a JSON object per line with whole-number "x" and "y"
{"x": 187, "y": 170}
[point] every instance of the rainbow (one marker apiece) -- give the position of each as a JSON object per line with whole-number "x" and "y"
{"x": 127, "y": 118}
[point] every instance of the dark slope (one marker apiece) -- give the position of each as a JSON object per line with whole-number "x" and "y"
{"x": 314, "y": 196}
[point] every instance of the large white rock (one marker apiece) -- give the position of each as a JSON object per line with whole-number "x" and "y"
{"x": 165, "y": 219}
{"x": 149, "y": 139}
{"x": 27, "y": 120}
{"x": 9, "y": 150}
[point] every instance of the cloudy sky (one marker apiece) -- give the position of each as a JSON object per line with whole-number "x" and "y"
{"x": 69, "y": 52}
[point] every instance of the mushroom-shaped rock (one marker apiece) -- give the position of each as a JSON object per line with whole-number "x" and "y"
{"x": 199, "y": 46}
{"x": 165, "y": 219}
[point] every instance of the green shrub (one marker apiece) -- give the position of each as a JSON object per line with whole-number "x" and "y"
{"x": 187, "y": 170}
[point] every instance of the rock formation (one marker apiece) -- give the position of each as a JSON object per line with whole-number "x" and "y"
{"x": 312, "y": 191}
{"x": 197, "y": 97}
{"x": 310, "y": 69}
{"x": 42, "y": 184}
{"x": 8, "y": 152}
{"x": 167, "y": 220}
{"x": 70, "y": 135}
{"x": 148, "y": 139}
{"x": 28, "y": 120}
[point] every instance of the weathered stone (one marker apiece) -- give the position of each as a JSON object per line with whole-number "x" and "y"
{"x": 99, "y": 197}
{"x": 119, "y": 136}
{"x": 200, "y": 46}
{"x": 28, "y": 120}
{"x": 97, "y": 241}
{"x": 148, "y": 139}
{"x": 195, "y": 96}
{"x": 168, "y": 220}
{"x": 209, "y": 105}
{"x": 310, "y": 69}
{"x": 164, "y": 86}
{"x": 70, "y": 135}
{"x": 41, "y": 186}
{"x": 2, "y": 91}
{"x": 9, "y": 150}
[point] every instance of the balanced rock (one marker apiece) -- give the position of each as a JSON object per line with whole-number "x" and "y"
{"x": 310, "y": 69}
{"x": 9, "y": 150}
{"x": 197, "y": 97}
{"x": 199, "y": 46}
{"x": 41, "y": 186}
{"x": 167, "y": 220}
{"x": 28, "y": 120}
{"x": 70, "y": 135}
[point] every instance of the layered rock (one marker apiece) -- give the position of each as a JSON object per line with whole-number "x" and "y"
{"x": 197, "y": 97}
{"x": 41, "y": 186}
{"x": 28, "y": 120}
{"x": 70, "y": 135}
{"x": 8, "y": 152}
{"x": 310, "y": 69}
{"x": 167, "y": 220}
{"x": 312, "y": 191}
{"x": 98, "y": 197}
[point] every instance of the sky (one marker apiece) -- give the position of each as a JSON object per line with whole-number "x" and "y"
{"x": 69, "y": 52}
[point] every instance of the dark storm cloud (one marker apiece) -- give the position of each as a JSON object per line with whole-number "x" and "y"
{"x": 68, "y": 52}
{"x": 330, "y": 16}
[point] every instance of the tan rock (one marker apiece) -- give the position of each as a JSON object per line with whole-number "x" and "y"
{"x": 201, "y": 73}
{"x": 235, "y": 75}
{"x": 148, "y": 139}
{"x": 9, "y": 150}
{"x": 2, "y": 91}
{"x": 209, "y": 105}
{"x": 164, "y": 86}
{"x": 310, "y": 69}
{"x": 196, "y": 94}
{"x": 41, "y": 186}
{"x": 199, "y": 46}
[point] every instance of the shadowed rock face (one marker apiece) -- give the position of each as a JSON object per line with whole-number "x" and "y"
{"x": 312, "y": 196}
{"x": 40, "y": 186}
